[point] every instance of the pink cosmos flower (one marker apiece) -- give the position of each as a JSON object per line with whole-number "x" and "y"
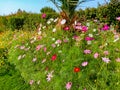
{"x": 106, "y": 52}
{"x": 49, "y": 76}
{"x": 89, "y": 38}
{"x": 105, "y": 27}
{"x": 45, "y": 49}
{"x": 118, "y": 59}
{"x": 68, "y": 85}
{"x": 65, "y": 40}
{"x": 22, "y": 47}
{"x": 53, "y": 45}
{"x": 59, "y": 41}
{"x": 84, "y": 28}
{"x": 84, "y": 64}
{"x": 66, "y": 28}
{"x": 118, "y": 18}
{"x": 39, "y": 47}
{"x": 43, "y": 15}
{"x": 107, "y": 60}
{"x": 78, "y": 27}
{"x": 87, "y": 51}
{"x": 96, "y": 55}
{"x": 31, "y": 82}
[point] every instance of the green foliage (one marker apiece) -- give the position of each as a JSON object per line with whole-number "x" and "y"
{"x": 16, "y": 23}
{"x": 35, "y": 65}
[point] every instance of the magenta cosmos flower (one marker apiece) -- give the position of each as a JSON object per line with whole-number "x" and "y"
{"x": 66, "y": 28}
{"x": 84, "y": 28}
{"x": 43, "y": 15}
{"x": 105, "y": 27}
{"x": 89, "y": 38}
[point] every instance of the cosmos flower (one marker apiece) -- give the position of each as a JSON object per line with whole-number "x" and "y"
{"x": 43, "y": 15}
{"x": 84, "y": 64}
{"x": 87, "y": 51}
{"x": 107, "y": 60}
{"x": 76, "y": 69}
{"x": 118, "y": 18}
{"x": 96, "y": 55}
{"x": 68, "y": 85}
{"x": 31, "y": 82}
{"x": 89, "y": 38}
{"x": 54, "y": 57}
{"x": 63, "y": 21}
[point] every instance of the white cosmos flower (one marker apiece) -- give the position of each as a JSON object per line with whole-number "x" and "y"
{"x": 48, "y": 22}
{"x": 54, "y": 30}
{"x": 39, "y": 33}
{"x": 90, "y": 35}
{"x": 63, "y": 21}
{"x": 94, "y": 30}
{"x": 89, "y": 42}
{"x": 56, "y": 20}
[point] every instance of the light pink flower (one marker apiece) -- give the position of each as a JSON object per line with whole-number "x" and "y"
{"x": 96, "y": 55}
{"x": 84, "y": 64}
{"x": 65, "y": 40}
{"x": 49, "y": 76}
{"x": 118, "y": 59}
{"x": 53, "y": 45}
{"x": 45, "y": 49}
{"x": 87, "y": 51}
{"x": 118, "y": 18}
{"x": 22, "y": 47}
{"x": 107, "y": 60}
{"x": 39, "y": 47}
{"x": 68, "y": 85}
{"x": 31, "y": 82}
{"x": 106, "y": 52}
{"x": 58, "y": 42}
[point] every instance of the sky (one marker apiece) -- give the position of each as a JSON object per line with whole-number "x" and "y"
{"x": 11, "y": 6}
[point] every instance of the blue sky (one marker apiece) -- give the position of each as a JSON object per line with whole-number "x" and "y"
{"x": 11, "y": 6}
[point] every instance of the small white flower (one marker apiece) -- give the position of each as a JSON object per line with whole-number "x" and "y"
{"x": 19, "y": 57}
{"x": 51, "y": 19}
{"x": 63, "y": 21}
{"x": 53, "y": 39}
{"x": 87, "y": 24}
{"x": 34, "y": 59}
{"x": 54, "y": 30}
{"x": 38, "y": 82}
{"x": 116, "y": 40}
{"x": 39, "y": 33}
{"x": 59, "y": 51}
{"x": 35, "y": 38}
{"x": 44, "y": 27}
{"x": 90, "y": 35}
{"x": 48, "y": 22}
{"x": 94, "y": 30}
{"x": 56, "y": 20}
{"x": 23, "y": 55}
{"x": 89, "y": 42}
